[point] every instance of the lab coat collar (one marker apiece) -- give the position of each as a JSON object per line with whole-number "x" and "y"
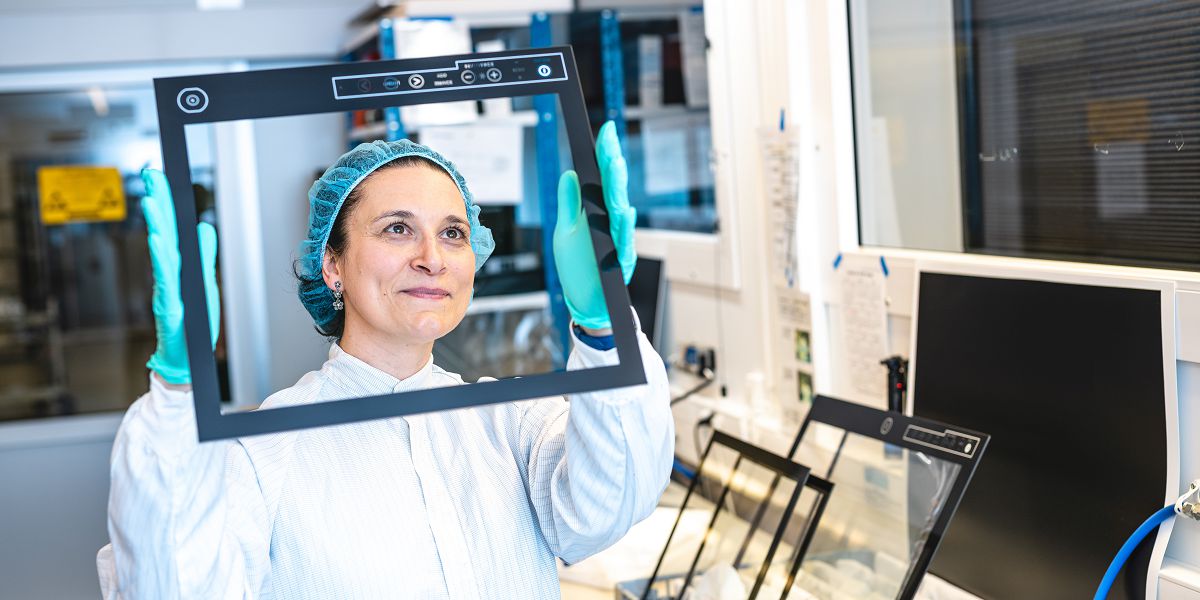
{"x": 356, "y": 375}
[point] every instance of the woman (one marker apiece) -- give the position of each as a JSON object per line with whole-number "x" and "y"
{"x": 472, "y": 503}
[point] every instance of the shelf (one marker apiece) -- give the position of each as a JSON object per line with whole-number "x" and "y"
{"x": 19, "y": 394}
{"x": 476, "y": 13}
{"x": 378, "y": 131}
{"x": 509, "y": 302}
{"x": 525, "y": 118}
{"x": 670, "y": 110}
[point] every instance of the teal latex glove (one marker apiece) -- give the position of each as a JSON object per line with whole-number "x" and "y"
{"x": 573, "y": 254}
{"x": 170, "y": 359}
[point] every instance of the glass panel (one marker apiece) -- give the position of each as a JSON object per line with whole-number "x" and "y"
{"x": 878, "y": 518}
{"x": 668, "y": 137}
{"x": 906, "y": 124}
{"x": 75, "y": 285}
{"x": 733, "y": 548}
{"x": 1061, "y": 129}
{"x": 508, "y": 329}
{"x": 728, "y": 532}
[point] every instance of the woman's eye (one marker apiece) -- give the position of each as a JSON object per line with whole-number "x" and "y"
{"x": 397, "y": 228}
{"x": 455, "y": 233}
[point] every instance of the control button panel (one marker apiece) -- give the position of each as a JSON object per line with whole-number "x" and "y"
{"x": 497, "y": 71}
{"x": 948, "y": 440}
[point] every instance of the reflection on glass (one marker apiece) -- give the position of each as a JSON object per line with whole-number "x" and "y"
{"x": 739, "y": 529}
{"x": 906, "y": 124}
{"x": 509, "y": 329}
{"x": 1011, "y": 128}
{"x": 664, "y": 87}
{"x": 75, "y": 285}
{"x": 877, "y": 521}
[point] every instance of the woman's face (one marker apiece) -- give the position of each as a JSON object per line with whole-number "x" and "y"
{"x": 407, "y": 269}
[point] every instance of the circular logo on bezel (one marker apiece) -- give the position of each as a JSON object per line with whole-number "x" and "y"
{"x": 192, "y": 100}
{"x": 886, "y": 426}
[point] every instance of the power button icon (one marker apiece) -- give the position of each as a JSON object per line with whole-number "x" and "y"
{"x": 192, "y": 100}
{"x": 544, "y": 70}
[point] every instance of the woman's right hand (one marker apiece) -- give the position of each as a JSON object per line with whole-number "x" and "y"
{"x": 170, "y": 360}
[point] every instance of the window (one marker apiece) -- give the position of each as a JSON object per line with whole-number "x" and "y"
{"x": 1064, "y": 129}
{"x": 75, "y": 321}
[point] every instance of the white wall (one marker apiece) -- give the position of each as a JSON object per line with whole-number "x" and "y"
{"x": 54, "y": 499}
{"x": 54, "y": 473}
{"x": 38, "y": 38}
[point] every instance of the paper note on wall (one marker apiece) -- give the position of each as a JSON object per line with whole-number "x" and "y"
{"x": 73, "y": 193}
{"x": 490, "y": 158}
{"x": 794, "y": 325}
{"x": 863, "y": 337}
{"x": 417, "y": 39}
{"x": 781, "y": 187}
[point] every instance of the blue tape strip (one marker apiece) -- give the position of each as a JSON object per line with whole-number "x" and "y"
{"x": 837, "y": 262}
{"x": 883, "y": 263}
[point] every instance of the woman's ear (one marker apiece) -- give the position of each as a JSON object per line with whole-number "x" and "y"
{"x": 330, "y": 270}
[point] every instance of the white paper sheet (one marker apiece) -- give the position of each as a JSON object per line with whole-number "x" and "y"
{"x": 490, "y": 157}
{"x": 416, "y": 39}
{"x": 694, "y": 48}
{"x": 863, "y": 337}
{"x": 676, "y": 151}
{"x": 794, "y": 329}
{"x": 781, "y": 186}
{"x": 650, "y": 64}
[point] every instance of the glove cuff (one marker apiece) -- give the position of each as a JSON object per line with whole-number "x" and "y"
{"x": 169, "y": 373}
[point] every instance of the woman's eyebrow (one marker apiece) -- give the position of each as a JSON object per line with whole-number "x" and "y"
{"x": 456, "y": 220}
{"x": 395, "y": 214}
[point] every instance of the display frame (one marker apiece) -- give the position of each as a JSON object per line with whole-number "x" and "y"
{"x": 894, "y": 428}
{"x": 214, "y": 98}
{"x": 781, "y": 467}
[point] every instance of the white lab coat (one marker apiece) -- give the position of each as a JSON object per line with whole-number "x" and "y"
{"x": 471, "y": 503}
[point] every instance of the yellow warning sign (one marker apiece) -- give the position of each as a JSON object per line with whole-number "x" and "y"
{"x": 73, "y": 193}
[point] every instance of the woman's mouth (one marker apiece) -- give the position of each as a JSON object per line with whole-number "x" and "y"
{"x": 427, "y": 293}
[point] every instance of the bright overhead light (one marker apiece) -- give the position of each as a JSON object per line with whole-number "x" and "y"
{"x": 219, "y": 4}
{"x": 99, "y": 100}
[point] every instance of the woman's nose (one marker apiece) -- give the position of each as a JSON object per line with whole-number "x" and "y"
{"x": 429, "y": 257}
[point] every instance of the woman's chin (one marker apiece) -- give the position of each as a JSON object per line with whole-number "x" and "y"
{"x": 427, "y": 330}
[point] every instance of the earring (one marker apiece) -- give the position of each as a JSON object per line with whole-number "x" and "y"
{"x": 337, "y": 296}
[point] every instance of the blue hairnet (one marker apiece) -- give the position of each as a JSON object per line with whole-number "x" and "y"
{"x": 325, "y": 199}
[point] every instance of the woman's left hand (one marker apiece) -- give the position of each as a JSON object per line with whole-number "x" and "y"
{"x": 573, "y": 254}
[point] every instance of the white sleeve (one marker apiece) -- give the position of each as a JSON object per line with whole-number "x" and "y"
{"x": 186, "y": 520}
{"x": 598, "y": 467}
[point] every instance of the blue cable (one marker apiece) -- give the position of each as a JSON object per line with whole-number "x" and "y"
{"x": 1151, "y": 524}
{"x": 686, "y": 472}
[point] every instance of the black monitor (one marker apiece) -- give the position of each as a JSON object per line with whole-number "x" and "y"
{"x": 648, "y": 296}
{"x": 1069, "y": 380}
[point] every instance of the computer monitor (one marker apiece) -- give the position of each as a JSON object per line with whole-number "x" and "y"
{"x": 1073, "y": 376}
{"x": 648, "y": 295}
